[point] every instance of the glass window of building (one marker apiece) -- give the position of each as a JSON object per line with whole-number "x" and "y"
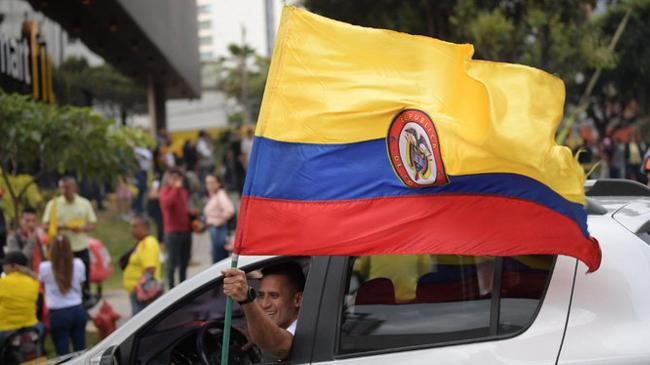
{"x": 205, "y": 24}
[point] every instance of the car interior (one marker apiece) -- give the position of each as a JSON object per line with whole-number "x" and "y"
{"x": 411, "y": 300}
{"x": 191, "y": 331}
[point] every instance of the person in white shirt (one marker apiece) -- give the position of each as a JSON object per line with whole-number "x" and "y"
{"x": 246, "y": 146}
{"x": 204, "y": 151}
{"x": 62, "y": 278}
{"x": 271, "y": 311}
{"x": 217, "y": 211}
{"x": 145, "y": 162}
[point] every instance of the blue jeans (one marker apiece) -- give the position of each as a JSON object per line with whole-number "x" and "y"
{"x": 141, "y": 183}
{"x": 68, "y": 323}
{"x": 218, "y": 237}
{"x": 135, "y": 305}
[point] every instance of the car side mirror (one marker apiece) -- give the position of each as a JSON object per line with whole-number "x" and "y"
{"x": 110, "y": 356}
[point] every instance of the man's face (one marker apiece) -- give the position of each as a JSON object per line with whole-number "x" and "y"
{"x": 138, "y": 229}
{"x": 279, "y": 300}
{"x": 28, "y": 222}
{"x": 69, "y": 190}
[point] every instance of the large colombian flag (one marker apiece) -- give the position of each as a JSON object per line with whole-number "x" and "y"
{"x": 376, "y": 142}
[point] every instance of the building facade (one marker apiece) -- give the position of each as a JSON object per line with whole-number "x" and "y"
{"x": 153, "y": 42}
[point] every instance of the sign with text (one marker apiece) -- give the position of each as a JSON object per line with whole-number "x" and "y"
{"x": 25, "y": 66}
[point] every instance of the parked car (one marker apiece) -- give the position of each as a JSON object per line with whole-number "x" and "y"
{"x": 450, "y": 310}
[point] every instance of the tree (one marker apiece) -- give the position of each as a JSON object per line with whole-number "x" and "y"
{"x": 425, "y": 17}
{"x": 243, "y": 77}
{"x": 42, "y": 137}
{"x": 76, "y": 83}
{"x": 631, "y": 77}
{"x": 557, "y": 36}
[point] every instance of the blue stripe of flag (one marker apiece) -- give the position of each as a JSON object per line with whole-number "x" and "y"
{"x": 319, "y": 172}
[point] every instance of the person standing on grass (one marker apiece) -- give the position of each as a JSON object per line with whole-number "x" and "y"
{"x": 26, "y": 239}
{"x": 217, "y": 211}
{"x": 62, "y": 278}
{"x": 75, "y": 217}
{"x": 144, "y": 260}
{"x": 174, "y": 204}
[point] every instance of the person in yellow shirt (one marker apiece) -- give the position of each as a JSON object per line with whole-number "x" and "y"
{"x": 75, "y": 218}
{"x": 144, "y": 260}
{"x": 18, "y": 295}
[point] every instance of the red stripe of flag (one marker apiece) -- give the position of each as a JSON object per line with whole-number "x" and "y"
{"x": 429, "y": 224}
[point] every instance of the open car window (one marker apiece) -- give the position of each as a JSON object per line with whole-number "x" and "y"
{"x": 401, "y": 301}
{"x": 190, "y": 330}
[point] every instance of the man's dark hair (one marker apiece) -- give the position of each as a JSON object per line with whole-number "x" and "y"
{"x": 142, "y": 219}
{"x": 291, "y": 270}
{"x": 69, "y": 179}
{"x": 176, "y": 171}
{"x": 29, "y": 210}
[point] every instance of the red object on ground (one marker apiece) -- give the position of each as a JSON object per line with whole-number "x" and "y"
{"x": 105, "y": 320}
{"x": 100, "y": 261}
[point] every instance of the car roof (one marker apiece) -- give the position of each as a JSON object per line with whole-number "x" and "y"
{"x": 626, "y": 201}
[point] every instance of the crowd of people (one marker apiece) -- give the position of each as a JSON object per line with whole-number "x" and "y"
{"x": 46, "y": 270}
{"x": 191, "y": 192}
{"x": 45, "y": 281}
{"x": 609, "y": 142}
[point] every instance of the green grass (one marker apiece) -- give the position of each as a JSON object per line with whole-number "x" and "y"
{"x": 115, "y": 233}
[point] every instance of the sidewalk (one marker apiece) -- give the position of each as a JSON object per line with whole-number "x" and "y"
{"x": 118, "y": 298}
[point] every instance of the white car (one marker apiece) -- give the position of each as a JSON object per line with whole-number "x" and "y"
{"x": 431, "y": 309}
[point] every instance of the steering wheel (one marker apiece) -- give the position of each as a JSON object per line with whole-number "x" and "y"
{"x": 209, "y": 341}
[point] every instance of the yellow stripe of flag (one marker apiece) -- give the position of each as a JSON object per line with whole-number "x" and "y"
{"x": 332, "y": 83}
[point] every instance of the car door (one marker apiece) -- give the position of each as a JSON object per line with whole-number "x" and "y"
{"x": 452, "y": 317}
{"x": 610, "y": 320}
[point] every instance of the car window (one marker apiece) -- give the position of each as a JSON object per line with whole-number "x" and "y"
{"x": 523, "y": 284}
{"x": 173, "y": 337}
{"x": 192, "y": 327}
{"x": 401, "y": 301}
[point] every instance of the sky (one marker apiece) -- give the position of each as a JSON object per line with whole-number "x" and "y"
{"x": 230, "y": 15}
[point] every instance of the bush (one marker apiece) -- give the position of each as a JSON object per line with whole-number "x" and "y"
{"x": 32, "y": 196}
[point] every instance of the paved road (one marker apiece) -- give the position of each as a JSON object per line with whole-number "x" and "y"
{"x": 119, "y": 299}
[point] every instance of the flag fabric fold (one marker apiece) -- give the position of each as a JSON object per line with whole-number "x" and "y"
{"x": 371, "y": 141}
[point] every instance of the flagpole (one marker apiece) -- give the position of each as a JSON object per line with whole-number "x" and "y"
{"x": 225, "y": 344}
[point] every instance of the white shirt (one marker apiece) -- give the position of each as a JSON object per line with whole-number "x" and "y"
{"x": 144, "y": 157}
{"x": 53, "y": 296}
{"x": 246, "y": 147}
{"x": 292, "y": 328}
{"x": 204, "y": 149}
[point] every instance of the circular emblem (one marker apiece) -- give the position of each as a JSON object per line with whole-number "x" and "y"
{"x": 414, "y": 151}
